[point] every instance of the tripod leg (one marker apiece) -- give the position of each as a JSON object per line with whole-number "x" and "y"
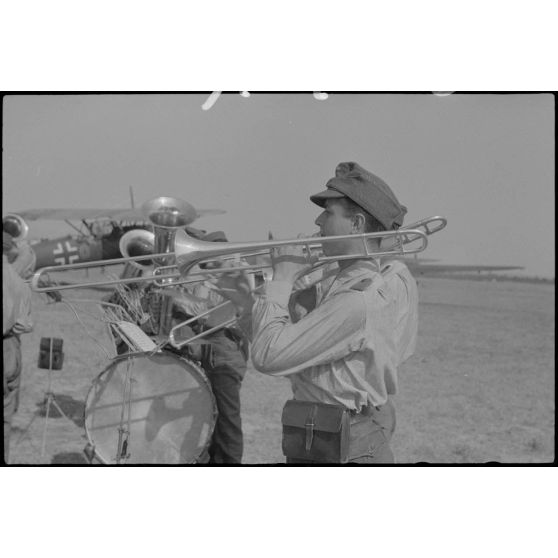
{"x": 55, "y": 403}
{"x": 47, "y": 404}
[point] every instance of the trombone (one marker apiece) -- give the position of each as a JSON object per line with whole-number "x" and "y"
{"x": 189, "y": 252}
{"x": 196, "y": 252}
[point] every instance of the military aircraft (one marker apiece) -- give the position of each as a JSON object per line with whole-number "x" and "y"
{"x": 426, "y": 267}
{"x": 97, "y": 239}
{"x": 419, "y": 267}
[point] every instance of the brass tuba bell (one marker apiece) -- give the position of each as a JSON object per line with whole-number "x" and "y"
{"x": 138, "y": 242}
{"x": 15, "y": 226}
{"x": 166, "y": 215}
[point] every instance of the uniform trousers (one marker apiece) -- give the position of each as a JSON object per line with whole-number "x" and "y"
{"x": 224, "y": 362}
{"x": 11, "y": 379}
{"x": 370, "y": 436}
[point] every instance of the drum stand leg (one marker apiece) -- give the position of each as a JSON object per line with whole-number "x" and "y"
{"x": 124, "y": 431}
{"x": 122, "y": 449}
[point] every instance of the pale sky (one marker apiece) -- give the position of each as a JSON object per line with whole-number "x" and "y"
{"x": 486, "y": 162}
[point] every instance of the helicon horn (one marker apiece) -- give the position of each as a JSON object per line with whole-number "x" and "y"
{"x": 15, "y": 226}
{"x": 138, "y": 242}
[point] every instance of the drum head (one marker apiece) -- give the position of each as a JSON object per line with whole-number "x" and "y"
{"x": 150, "y": 409}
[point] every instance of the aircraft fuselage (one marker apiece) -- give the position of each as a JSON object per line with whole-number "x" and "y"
{"x": 67, "y": 250}
{"x": 73, "y": 249}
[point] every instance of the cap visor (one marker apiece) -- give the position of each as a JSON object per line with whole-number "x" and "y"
{"x": 320, "y": 198}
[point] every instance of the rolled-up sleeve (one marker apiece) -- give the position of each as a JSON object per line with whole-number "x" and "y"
{"x": 332, "y": 331}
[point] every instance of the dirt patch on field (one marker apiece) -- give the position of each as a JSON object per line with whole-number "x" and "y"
{"x": 479, "y": 389}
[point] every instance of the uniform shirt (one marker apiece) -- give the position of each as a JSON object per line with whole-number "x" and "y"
{"x": 16, "y": 301}
{"x": 229, "y": 345}
{"x": 24, "y": 264}
{"x": 347, "y": 350}
{"x": 203, "y": 298}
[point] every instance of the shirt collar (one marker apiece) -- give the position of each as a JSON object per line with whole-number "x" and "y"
{"x": 358, "y": 268}
{"x": 354, "y": 271}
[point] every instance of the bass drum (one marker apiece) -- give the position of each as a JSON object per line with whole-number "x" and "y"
{"x": 150, "y": 408}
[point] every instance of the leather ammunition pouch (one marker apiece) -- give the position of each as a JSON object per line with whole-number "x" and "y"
{"x": 315, "y": 431}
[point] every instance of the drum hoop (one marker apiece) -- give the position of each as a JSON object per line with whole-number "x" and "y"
{"x": 114, "y": 361}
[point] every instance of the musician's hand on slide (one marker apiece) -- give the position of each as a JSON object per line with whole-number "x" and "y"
{"x": 235, "y": 287}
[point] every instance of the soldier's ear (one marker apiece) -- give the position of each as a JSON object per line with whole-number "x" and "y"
{"x": 358, "y": 222}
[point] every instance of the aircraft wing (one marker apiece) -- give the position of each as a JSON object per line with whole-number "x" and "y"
{"x": 450, "y": 268}
{"x": 79, "y": 214}
{"x": 128, "y": 214}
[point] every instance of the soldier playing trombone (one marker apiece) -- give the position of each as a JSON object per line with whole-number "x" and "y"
{"x": 342, "y": 356}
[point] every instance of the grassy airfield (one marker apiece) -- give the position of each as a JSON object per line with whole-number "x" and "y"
{"x": 480, "y": 387}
